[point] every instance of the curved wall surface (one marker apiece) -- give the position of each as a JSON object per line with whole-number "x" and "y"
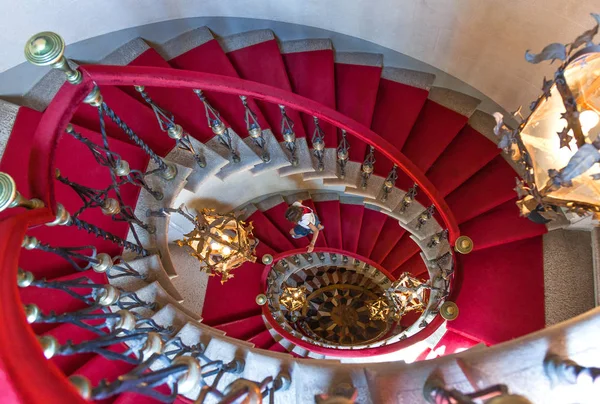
{"x": 481, "y": 42}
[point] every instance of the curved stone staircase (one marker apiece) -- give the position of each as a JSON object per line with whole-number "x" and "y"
{"x": 438, "y": 129}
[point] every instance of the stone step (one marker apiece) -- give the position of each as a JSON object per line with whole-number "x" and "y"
{"x": 214, "y": 163}
{"x": 278, "y": 158}
{"x": 153, "y": 292}
{"x": 329, "y": 166}
{"x": 152, "y": 268}
{"x": 305, "y": 164}
{"x": 352, "y": 173}
{"x": 248, "y": 159}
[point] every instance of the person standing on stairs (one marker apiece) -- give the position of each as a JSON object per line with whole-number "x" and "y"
{"x": 306, "y": 222}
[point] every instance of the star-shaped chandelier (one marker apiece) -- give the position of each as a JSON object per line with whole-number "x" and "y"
{"x": 293, "y": 299}
{"x": 557, "y": 146}
{"x": 220, "y": 242}
{"x": 404, "y": 295}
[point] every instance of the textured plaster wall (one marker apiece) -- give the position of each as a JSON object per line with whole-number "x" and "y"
{"x": 568, "y": 274}
{"x": 478, "y": 41}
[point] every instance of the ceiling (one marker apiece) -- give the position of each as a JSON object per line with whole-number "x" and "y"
{"x": 481, "y": 42}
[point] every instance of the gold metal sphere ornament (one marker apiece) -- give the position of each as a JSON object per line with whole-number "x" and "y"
{"x": 463, "y": 245}
{"x": 261, "y": 299}
{"x": 449, "y": 311}
{"x": 267, "y": 259}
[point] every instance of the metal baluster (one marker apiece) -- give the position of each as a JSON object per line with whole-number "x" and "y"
{"x": 561, "y": 370}
{"x": 333, "y": 257}
{"x": 181, "y": 377}
{"x": 236, "y": 366}
{"x": 121, "y": 268}
{"x": 343, "y": 155}
{"x": 119, "y": 167}
{"x": 289, "y": 136}
{"x": 435, "y": 392}
{"x": 367, "y": 167}
{"x": 308, "y": 258}
{"x": 175, "y": 348}
{"x": 389, "y": 183}
{"x": 254, "y": 130}
{"x": 142, "y": 344}
{"x": 318, "y": 144}
{"x": 78, "y": 318}
{"x": 149, "y": 325}
{"x": 218, "y": 127}
{"x": 425, "y": 216}
{"x": 64, "y": 218}
{"x": 93, "y": 198}
{"x": 166, "y": 122}
{"x": 408, "y": 198}
{"x": 437, "y": 238}
{"x": 167, "y": 171}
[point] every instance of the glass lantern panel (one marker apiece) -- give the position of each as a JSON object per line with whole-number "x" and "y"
{"x": 540, "y": 135}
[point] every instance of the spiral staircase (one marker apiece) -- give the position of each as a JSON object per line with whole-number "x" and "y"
{"x": 428, "y": 168}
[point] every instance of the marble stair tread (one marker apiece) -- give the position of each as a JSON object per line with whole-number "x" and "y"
{"x": 126, "y": 53}
{"x": 298, "y": 196}
{"x": 214, "y": 163}
{"x": 374, "y": 185}
{"x": 318, "y": 377}
{"x": 190, "y": 281}
{"x": 183, "y": 43}
{"x": 150, "y": 267}
{"x": 456, "y": 101}
{"x": 393, "y": 199}
{"x": 146, "y": 202}
{"x": 426, "y": 231}
{"x": 351, "y": 174}
{"x": 409, "y": 214}
{"x": 305, "y": 163}
{"x": 269, "y": 202}
{"x": 432, "y": 252}
{"x": 246, "y": 211}
{"x": 329, "y": 166}
{"x": 8, "y": 116}
{"x": 170, "y": 316}
{"x": 278, "y": 157}
{"x": 248, "y": 158}
{"x": 351, "y": 200}
{"x": 153, "y": 292}
{"x": 242, "y": 40}
{"x": 324, "y": 196}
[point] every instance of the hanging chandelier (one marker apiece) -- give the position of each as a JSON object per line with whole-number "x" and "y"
{"x": 404, "y": 295}
{"x": 293, "y": 299}
{"x": 220, "y": 242}
{"x": 557, "y": 146}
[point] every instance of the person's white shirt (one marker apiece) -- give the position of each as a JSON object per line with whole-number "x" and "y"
{"x": 307, "y": 218}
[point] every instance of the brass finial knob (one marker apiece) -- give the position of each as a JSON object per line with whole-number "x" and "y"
{"x": 267, "y": 259}
{"x": 44, "y": 48}
{"x": 48, "y": 49}
{"x": 449, "y": 311}
{"x": 261, "y": 299}
{"x": 82, "y": 385}
{"x": 463, "y": 245}
{"x": 11, "y": 198}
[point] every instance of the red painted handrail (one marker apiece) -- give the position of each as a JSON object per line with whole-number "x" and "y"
{"x": 166, "y": 77}
{"x": 340, "y": 352}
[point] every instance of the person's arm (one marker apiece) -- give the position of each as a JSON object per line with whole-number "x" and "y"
{"x": 315, "y": 231}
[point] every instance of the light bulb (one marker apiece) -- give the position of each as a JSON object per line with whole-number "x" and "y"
{"x": 226, "y": 239}
{"x": 588, "y": 119}
{"x": 215, "y": 246}
{"x": 226, "y": 251}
